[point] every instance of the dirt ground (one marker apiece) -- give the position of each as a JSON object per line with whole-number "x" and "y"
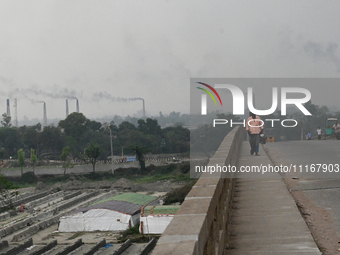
{"x": 49, "y": 234}
{"x": 44, "y": 236}
{"x": 318, "y": 219}
{"x": 121, "y": 184}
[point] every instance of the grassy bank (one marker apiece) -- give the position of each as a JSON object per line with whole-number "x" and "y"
{"x": 152, "y": 173}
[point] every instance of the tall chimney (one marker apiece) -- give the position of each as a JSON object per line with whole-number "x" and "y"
{"x": 143, "y": 108}
{"x": 66, "y": 108}
{"x": 8, "y": 108}
{"x": 77, "y": 105}
{"x": 45, "y": 115}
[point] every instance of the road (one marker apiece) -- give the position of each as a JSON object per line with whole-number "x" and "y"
{"x": 321, "y": 191}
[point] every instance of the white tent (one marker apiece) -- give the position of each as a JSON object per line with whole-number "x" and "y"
{"x": 155, "y": 219}
{"x": 98, "y": 219}
{"x": 108, "y": 216}
{"x": 154, "y": 224}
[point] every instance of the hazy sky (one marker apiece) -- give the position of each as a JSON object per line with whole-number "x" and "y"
{"x": 98, "y": 50}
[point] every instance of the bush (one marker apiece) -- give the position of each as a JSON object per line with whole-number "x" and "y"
{"x": 185, "y": 168}
{"x": 134, "y": 235}
{"x": 167, "y": 169}
{"x": 131, "y": 231}
{"x": 151, "y": 168}
{"x": 93, "y": 176}
{"x": 178, "y": 195}
{"x": 29, "y": 177}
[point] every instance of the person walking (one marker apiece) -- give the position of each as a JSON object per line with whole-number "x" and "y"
{"x": 319, "y": 132}
{"x": 336, "y": 128}
{"x": 254, "y": 127}
{"x": 309, "y": 135}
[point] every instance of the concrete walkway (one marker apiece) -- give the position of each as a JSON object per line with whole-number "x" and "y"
{"x": 265, "y": 218}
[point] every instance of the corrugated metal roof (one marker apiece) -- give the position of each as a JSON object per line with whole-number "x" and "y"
{"x": 119, "y": 206}
{"x": 134, "y": 198}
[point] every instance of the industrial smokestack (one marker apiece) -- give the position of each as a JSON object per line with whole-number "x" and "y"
{"x": 8, "y": 108}
{"x": 77, "y": 105}
{"x": 66, "y": 108}
{"x": 45, "y": 115}
{"x": 143, "y": 108}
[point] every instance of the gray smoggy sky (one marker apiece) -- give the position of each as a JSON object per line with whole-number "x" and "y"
{"x": 101, "y": 50}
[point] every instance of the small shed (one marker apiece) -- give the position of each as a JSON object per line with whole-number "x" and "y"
{"x": 155, "y": 219}
{"x": 116, "y": 213}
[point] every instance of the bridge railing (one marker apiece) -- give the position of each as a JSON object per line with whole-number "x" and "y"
{"x": 201, "y": 225}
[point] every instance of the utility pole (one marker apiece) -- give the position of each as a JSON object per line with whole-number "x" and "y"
{"x": 16, "y": 112}
{"x": 111, "y": 150}
{"x": 105, "y": 126}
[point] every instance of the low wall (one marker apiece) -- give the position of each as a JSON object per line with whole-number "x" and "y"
{"x": 34, "y": 229}
{"x": 123, "y": 247}
{"x": 16, "y": 226}
{"x": 45, "y": 248}
{"x": 42, "y": 200}
{"x": 3, "y": 245}
{"x": 4, "y": 216}
{"x": 25, "y": 200}
{"x": 77, "y": 169}
{"x": 71, "y": 248}
{"x": 41, "y": 218}
{"x": 95, "y": 248}
{"x": 73, "y": 194}
{"x": 202, "y": 222}
{"x": 149, "y": 246}
{"x": 76, "y": 200}
{"x": 54, "y": 219}
{"x": 18, "y": 249}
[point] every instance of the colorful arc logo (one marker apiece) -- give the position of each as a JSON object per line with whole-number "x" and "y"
{"x": 209, "y": 93}
{"x": 204, "y": 97}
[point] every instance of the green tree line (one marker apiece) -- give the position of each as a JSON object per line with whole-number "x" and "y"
{"x": 78, "y": 132}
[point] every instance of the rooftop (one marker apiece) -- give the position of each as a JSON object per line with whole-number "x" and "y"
{"x": 134, "y": 198}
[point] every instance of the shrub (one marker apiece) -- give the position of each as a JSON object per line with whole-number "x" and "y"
{"x": 178, "y": 195}
{"x": 29, "y": 177}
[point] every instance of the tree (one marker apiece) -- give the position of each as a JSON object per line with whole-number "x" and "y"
{"x": 149, "y": 127}
{"x": 30, "y": 137}
{"x": 139, "y": 150}
{"x": 11, "y": 141}
{"x": 65, "y": 158}
{"x": 74, "y": 125}
{"x": 177, "y": 139}
{"x": 125, "y": 125}
{"x": 92, "y": 152}
{"x": 93, "y": 125}
{"x": 6, "y": 120}
{"x": 79, "y": 131}
{"x": 33, "y": 159}
{"x": 312, "y": 108}
{"x": 51, "y": 140}
{"x": 7, "y": 191}
{"x": 21, "y": 160}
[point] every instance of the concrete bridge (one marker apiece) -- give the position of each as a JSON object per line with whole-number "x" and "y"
{"x": 248, "y": 214}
